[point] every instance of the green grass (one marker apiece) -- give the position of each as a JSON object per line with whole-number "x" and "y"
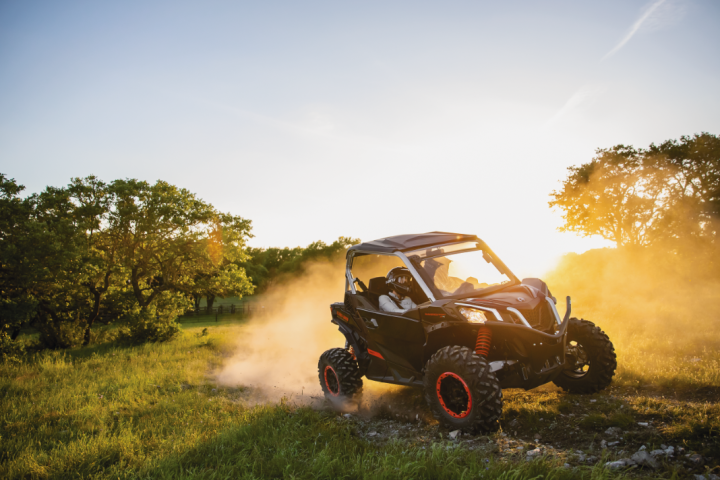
{"x": 153, "y": 411}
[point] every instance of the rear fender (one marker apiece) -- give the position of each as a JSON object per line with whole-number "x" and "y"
{"x": 356, "y": 342}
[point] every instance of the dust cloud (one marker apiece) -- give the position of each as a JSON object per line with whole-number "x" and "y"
{"x": 660, "y": 307}
{"x": 277, "y": 351}
{"x": 643, "y": 291}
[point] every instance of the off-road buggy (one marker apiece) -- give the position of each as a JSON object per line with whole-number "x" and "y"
{"x": 477, "y": 329}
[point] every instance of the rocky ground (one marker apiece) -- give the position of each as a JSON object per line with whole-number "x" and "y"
{"x": 552, "y": 425}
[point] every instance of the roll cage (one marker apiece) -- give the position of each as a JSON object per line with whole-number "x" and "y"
{"x": 420, "y": 276}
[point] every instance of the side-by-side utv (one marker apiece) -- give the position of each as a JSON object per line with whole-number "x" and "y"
{"x": 472, "y": 329}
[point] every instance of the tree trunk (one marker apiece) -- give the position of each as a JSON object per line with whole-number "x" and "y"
{"x": 210, "y": 301}
{"x": 97, "y": 296}
{"x": 93, "y": 316}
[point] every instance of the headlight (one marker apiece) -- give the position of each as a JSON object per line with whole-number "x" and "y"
{"x": 473, "y": 315}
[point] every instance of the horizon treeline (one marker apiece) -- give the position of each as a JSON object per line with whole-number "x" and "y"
{"x": 126, "y": 252}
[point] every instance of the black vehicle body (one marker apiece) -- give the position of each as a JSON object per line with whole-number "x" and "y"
{"x": 528, "y": 334}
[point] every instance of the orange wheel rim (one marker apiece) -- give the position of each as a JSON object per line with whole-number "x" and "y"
{"x": 454, "y": 395}
{"x": 331, "y": 381}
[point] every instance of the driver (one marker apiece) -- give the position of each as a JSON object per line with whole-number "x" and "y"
{"x": 399, "y": 282}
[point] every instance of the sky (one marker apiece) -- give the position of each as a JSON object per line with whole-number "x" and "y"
{"x": 363, "y": 119}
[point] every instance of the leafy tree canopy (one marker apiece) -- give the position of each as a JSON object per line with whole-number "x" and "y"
{"x": 638, "y": 197}
{"x": 129, "y": 249}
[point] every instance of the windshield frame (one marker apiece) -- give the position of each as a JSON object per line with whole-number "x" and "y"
{"x": 480, "y": 246}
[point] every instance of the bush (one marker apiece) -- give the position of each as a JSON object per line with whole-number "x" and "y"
{"x": 149, "y": 325}
{"x": 64, "y": 334}
{"x": 10, "y": 350}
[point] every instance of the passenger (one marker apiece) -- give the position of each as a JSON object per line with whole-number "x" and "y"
{"x": 399, "y": 282}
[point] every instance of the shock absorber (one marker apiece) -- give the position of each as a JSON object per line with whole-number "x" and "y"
{"x": 482, "y": 344}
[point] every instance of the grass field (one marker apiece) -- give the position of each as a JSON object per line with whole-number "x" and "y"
{"x": 153, "y": 411}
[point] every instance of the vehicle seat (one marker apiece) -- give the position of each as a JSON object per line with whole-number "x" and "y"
{"x": 376, "y": 287}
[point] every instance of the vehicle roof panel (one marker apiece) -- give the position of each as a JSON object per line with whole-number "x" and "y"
{"x": 412, "y": 241}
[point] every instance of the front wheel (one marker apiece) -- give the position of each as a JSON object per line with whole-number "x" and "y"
{"x": 339, "y": 374}
{"x": 590, "y": 359}
{"x": 462, "y": 391}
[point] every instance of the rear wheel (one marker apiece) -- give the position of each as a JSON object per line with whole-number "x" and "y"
{"x": 462, "y": 391}
{"x": 590, "y": 359}
{"x": 339, "y": 374}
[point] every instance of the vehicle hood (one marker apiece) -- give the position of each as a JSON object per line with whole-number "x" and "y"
{"x": 522, "y": 297}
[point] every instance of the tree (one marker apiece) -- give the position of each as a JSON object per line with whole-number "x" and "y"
{"x": 17, "y": 235}
{"x": 92, "y": 201}
{"x": 641, "y": 197}
{"x": 174, "y": 245}
{"x": 611, "y": 196}
{"x": 128, "y": 248}
{"x": 691, "y": 169}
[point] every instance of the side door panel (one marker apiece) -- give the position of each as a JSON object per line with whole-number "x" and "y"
{"x": 399, "y": 339}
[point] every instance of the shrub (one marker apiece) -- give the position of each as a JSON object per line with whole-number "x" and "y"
{"x": 155, "y": 323}
{"x": 147, "y": 325}
{"x": 10, "y": 350}
{"x": 65, "y": 334}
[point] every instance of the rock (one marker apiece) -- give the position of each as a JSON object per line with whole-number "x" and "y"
{"x": 453, "y": 435}
{"x": 663, "y": 446}
{"x": 642, "y": 448}
{"x": 534, "y": 453}
{"x": 372, "y": 434}
{"x": 347, "y": 415}
{"x": 644, "y": 459}
{"x": 514, "y": 423}
{"x": 656, "y": 453}
{"x": 567, "y": 465}
{"x": 591, "y": 459}
{"x": 603, "y": 444}
{"x": 712, "y": 476}
{"x": 593, "y": 401}
{"x": 643, "y": 424}
{"x": 612, "y": 444}
{"x": 697, "y": 459}
{"x": 699, "y": 477}
{"x": 618, "y": 464}
{"x": 536, "y": 436}
{"x": 613, "y": 431}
